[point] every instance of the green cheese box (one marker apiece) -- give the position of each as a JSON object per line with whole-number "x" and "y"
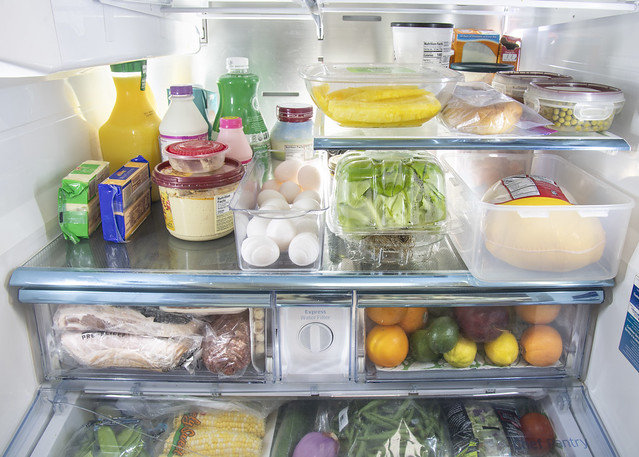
{"x": 78, "y": 202}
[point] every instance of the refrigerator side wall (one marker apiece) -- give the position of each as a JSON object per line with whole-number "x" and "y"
{"x": 43, "y": 136}
{"x": 604, "y": 51}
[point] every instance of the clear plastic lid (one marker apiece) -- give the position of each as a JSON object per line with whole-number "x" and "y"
{"x": 574, "y": 92}
{"x": 164, "y": 175}
{"x": 519, "y": 80}
{"x": 294, "y": 112}
{"x": 378, "y": 73}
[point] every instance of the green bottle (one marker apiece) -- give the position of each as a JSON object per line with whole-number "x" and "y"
{"x": 238, "y": 97}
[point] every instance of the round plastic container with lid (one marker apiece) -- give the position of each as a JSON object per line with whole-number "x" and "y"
{"x": 422, "y": 42}
{"x": 480, "y": 71}
{"x": 515, "y": 83}
{"x": 575, "y": 106}
{"x": 196, "y": 206}
{"x": 292, "y": 134}
{"x": 196, "y": 156}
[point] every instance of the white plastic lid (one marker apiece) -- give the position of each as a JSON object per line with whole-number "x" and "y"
{"x": 237, "y": 63}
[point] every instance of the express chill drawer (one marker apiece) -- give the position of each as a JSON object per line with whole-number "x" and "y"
{"x": 529, "y": 217}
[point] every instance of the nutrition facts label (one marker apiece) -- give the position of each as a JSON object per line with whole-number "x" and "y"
{"x": 629, "y": 344}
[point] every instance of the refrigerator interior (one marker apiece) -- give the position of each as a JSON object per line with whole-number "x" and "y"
{"x": 48, "y": 124}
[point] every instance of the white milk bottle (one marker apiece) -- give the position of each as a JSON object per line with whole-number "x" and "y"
{"x": 183, "y": 120}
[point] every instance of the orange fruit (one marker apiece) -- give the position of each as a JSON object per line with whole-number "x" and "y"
{"x": 386, "y": 316}
{"x": 414, "y": 319}
{"x": 387, "y": 345}
{"x": 538, "y": 314}
{"x": 541, "y": 345}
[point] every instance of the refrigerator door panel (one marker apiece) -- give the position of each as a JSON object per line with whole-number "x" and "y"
{"x": 50, "y": 36}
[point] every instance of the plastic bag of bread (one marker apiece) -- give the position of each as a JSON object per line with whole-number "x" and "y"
{"x": 477, "y": 108}
{"x": 558, "y": 239}
{"x": 226, "y": 348}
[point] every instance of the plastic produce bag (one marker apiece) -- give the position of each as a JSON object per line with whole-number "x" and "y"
{"x": 226, "y": 348}
{"x": 389, "y": 428}
{"x": 483, "y": 428}
{"x": 477, "y": 108}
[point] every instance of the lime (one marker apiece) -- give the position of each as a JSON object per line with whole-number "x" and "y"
{"x": 503, "y": 350}
{"x": 443, "y": 334}
{"x": 462, "y": 354}
{"x": 419, "y": 343}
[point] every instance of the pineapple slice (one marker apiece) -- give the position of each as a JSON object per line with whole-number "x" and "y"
{"x": 376, "y": 93}
{"x": 407, "y": 111}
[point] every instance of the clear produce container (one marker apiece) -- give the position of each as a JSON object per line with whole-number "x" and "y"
{"x": 581, "y": 241}
{"x": 545, "y": 340}
{"x": 379, "y": 95}
{"x": 515, "y": 83}
{"x": 575, "y": 106}
{"x": 275, "y": 234}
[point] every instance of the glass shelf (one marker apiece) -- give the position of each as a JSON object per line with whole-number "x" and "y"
{"x": 169, "y": 271}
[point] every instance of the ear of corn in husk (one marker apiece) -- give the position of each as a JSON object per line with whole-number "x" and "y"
{"x": 377, "y": 106}
{"x": 219, "y": 433}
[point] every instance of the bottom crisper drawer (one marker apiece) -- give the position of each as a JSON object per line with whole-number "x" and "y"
{"x": 533, "y": 421}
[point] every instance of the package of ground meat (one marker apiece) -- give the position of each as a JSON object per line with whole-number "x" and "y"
{"x": 226, "y": 348}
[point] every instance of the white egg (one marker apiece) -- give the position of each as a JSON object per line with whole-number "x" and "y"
{"x": 304, "y": 249}
{"x": 282, "y": 231}
{"x": 256, "y": 226}
{"x": 309, "y": 177}
{"x": 259, "y": 251}
{"x": 287, "y": 170}
{"x": 306, "y": 204}
{"x": 306, "y": 223}
{"x": 290, "y": 190}
{"x": 271, "y": 184}
{"x": 267, "y": 195}
{"x": 278, "y": 204}
{"x": 309, "y": 194}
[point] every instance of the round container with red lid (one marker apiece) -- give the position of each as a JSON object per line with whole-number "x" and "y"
{"x": 575, "y": 106}
{"x": 196, "y": 156}
{"x": 196, "y": 206}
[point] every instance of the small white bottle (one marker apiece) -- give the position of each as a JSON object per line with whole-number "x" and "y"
{"x": 183, "y": 120}
{"x": 232, "y": 134}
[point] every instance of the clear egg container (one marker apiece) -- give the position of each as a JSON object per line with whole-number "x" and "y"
{"x": 279, "y": 224}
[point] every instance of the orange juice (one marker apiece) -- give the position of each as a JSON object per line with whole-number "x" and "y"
{"x": 134, "y": 126}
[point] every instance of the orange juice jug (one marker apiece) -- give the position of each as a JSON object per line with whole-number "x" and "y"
{"x": 133, "y": 127}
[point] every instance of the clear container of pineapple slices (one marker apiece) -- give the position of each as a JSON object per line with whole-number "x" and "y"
{"x": 375, "y": 95}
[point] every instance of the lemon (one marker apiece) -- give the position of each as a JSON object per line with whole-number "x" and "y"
{"x": 503, "y": 350}
{"x": 462, "y": 354}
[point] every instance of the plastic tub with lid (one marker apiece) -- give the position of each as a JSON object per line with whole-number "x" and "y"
{"x": 378, "y": 95}
{"x": 196, "y": 206}
{"x": 196, "y": 156}
{"x": 575, "y": 106}
{"x": 515, "y": 83}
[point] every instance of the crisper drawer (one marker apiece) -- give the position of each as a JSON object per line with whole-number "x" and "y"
{"x": 511, "y": 421}
{"x": 225, "y": 341}
{"x": 404, "y": 340}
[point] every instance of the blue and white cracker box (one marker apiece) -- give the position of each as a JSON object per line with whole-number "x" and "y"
{"x": 125, "y": 200}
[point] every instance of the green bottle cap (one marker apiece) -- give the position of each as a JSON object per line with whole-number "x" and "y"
{"x": 136, "y": 66}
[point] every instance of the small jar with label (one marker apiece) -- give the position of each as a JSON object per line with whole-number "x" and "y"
{"x": 292, "y": 134}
